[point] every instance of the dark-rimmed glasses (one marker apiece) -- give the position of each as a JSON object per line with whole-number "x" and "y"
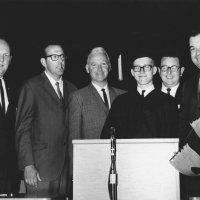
{"x": 55, "y": 57}
{"x": 145, "y": 68}
{"x": 173, "y": 68}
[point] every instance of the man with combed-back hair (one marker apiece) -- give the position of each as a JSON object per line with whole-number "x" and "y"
{"x": 87, "y": 107}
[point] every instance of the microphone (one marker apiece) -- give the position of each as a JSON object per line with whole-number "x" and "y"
{"x": 112, "y": 182}
{"x": 113, "y": 143}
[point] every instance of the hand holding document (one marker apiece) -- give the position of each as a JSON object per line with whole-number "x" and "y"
{"x": 187, "y": 161}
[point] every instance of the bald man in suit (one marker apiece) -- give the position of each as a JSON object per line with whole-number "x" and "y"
{"x": 9, "y": 175}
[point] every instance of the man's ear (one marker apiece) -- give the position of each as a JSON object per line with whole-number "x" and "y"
{"x": 10, "y": 60}
{"x": 87, "y": 68}
{"x": 159, "y": 70}
{"x": 43, "y": 62}
{"x": 132, "y": 72}
{"x": 182, "y": 70}
{"x": 154, "y": 70}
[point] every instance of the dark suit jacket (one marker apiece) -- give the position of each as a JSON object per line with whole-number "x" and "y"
{"x": 8, "y": 163}
{"x": 190, "y": 105}
{"x": 155, "y": 116}
{"x": 41, "y": 127}
{"x": 190, "y": 111}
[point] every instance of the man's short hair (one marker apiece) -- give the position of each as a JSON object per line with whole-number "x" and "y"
{"x": 50, "y": 43}
{"x": 172, "y": 53}
{"x": 98, "y": 50}
{"x": 194, "y": 32}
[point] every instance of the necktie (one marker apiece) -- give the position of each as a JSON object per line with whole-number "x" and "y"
{"x": 105, "y": 98}
{"x": 168, "y": 90}
{"x": 143, "y": 91}
{"x": 2, "y": 96}
{"x": 59, "y": 93}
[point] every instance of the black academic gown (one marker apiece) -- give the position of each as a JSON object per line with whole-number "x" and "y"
{"x": 133, "y": 116}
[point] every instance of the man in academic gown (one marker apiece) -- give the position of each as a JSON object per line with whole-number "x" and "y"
{"x": 144, "y": 112}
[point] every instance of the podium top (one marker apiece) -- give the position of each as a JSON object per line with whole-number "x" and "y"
{"x": 127, "y": 141}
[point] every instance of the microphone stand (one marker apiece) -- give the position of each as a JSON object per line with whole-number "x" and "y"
{"x": 112, "y": 183}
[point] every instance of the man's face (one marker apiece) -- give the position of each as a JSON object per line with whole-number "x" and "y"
{"x": 170, "y": 77}
{"x": 55, "y": 68}
{"x": 194, "y": 43}
{"x": 5, "y": 57}
{"x": 98, "y": 67}
{"x": 144, "y": 78}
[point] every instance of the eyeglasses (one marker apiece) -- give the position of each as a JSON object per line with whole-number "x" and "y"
{"x": 146, "y": 68}
{"x": 173, "y": 68}
{"x": 55, "y": 57}
{"x": 96, "y": 65}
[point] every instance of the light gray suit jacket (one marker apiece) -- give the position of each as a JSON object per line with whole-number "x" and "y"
{"x": 87, "y": 113}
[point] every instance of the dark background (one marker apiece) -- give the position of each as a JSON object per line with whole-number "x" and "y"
{"x": 119, "y": 26}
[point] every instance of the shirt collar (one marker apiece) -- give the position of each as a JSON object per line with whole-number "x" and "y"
{"x": 172, "y": 91}
{"x": 52, "y": 80}
{"x": 147, "y": 90}
{"x": 98, "y": 88}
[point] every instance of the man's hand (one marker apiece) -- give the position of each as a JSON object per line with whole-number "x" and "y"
{"x": 31, "y": 175}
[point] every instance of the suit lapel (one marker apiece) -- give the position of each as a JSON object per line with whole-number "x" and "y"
{"x": 65, "y": 91}
{"x": 49, "y": 88}
{"x": 98, "y": 98}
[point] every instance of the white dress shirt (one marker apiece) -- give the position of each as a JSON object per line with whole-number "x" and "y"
{"x": 172, "y": 91}
{"x": 147, "y": 90}
{"x": 53, "y": 83}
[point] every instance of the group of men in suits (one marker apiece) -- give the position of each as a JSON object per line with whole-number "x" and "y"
{"x": 51, "y": 112}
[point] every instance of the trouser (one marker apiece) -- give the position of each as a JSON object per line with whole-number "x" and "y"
{"x": 54, "y": 188}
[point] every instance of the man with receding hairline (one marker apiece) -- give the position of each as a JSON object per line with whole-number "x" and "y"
{"x": 88, "y": 108}
{"x": 9, "y": 179}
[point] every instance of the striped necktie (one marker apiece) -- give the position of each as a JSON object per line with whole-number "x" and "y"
{"x": 59, "y": 93}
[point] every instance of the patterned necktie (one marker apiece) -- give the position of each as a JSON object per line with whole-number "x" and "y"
{"x": 59, "y": 93}
{"x": 2, "y": 96}
{"x": 105, "y": 98}
{"x": 168, "y": 90}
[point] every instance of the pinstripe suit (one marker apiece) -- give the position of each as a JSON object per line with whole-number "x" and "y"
{"x": 41, "y": 129}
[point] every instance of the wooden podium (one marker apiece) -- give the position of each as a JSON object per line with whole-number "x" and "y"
{"x": 143, "y": 167}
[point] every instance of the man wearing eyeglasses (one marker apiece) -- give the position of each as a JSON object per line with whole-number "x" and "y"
{"x": 143, "y": 112}
{"x": 170, "y": 72}
{"x": 41, "y": 126}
